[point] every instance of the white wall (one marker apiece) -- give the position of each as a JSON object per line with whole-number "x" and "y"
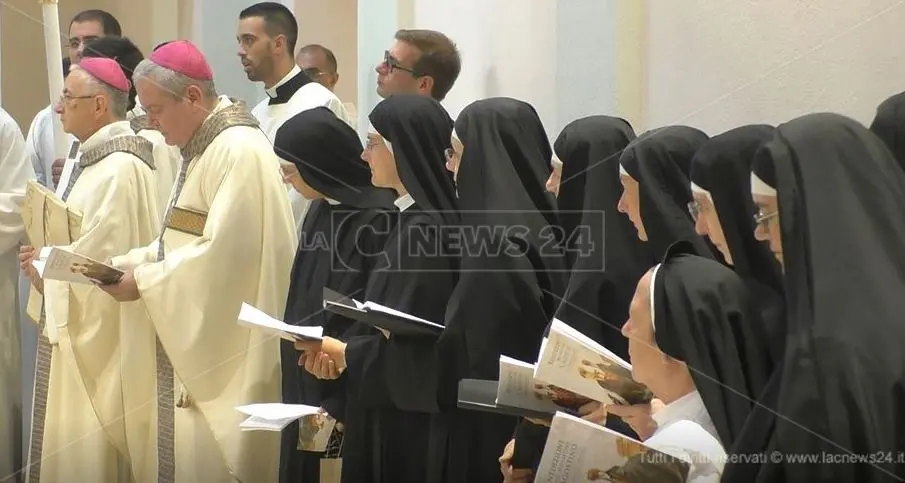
{"x": 718, "y": 64}
{"x": 563, "y": 57}
{"x": 507, "y": 50}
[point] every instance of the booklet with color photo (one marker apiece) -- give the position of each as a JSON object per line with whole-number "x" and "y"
{"x": 570, "y": 360}
{"x": 55, "y": 263}
{"x": 578, "y": 451}
{"x": 315, "y": 431}
{"x": 518, "y": 388}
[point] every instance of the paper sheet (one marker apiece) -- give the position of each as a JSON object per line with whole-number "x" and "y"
{"x": 273, "y": 416}
{"x": 253, "y": 318}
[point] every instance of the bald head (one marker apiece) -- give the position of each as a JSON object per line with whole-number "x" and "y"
{"x": 319, "y": 64}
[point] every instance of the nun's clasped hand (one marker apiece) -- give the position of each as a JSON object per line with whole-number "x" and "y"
{"x": 323, "y": 360}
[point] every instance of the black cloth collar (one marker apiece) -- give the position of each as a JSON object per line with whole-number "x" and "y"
{"x": 289, "y": 88}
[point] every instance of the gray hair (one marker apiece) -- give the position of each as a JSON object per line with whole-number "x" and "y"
{"x": 118, "y": 100}
{"x": 171, "y": 81}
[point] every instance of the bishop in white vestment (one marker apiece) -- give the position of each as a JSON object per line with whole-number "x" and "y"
{"x": 228, "y": 238}
{"x": 167, "y": 158}
{"x": 78, "y": 432}
{"x": 15, "y": 170}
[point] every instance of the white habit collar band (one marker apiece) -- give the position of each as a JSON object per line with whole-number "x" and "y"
{"x": 653, "y": 283}
{"x": 760, "y": 188}
{"x": 404, "y": 202}
{"x": 697, "y": 189}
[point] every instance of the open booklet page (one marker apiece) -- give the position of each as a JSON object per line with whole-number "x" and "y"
{"x": 581, "y": 451}
{"x": 570, "y": 360}
{"x": 379, "y": 316}
{"x": 254, "y": 318}
{"x": 518, "y": 388}
{"x": 54, "y": 263}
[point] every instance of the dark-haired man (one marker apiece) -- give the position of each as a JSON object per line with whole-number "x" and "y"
{"x": 422, "y": 62}
{"x": 267, "y": 35}
{"x": 88, "y": 25}
{"x": 84, "y": 27}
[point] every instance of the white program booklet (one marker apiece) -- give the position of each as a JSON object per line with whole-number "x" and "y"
{"x": 55, "y": 263}
{"x": 577, "y": 451}
{"x": 570, "y": 360}
{"x": 518, "y": 388}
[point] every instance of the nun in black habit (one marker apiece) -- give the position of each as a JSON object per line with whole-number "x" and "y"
{"x": 889, "y": 125}
{"x": 512, "y": 272}
{"x": 723, "y": 210}
{"x": 603, "y": 279}
{"x": 347, "y": 220}
{"x": 702, "y": 315}
{"x": 706, "y": 317}
{"x": 830, "y": 197}
{"x": 654, "y": 171}
{"x": 581, "y": 143}
{"x": 392, "y": 381}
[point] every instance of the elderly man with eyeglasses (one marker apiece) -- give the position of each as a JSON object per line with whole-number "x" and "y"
{"x": 111, "y": 182}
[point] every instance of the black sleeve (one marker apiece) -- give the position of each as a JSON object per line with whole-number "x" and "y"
{"x": 530, "y": 439}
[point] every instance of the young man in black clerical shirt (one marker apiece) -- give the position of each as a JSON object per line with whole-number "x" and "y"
{"x": 266, "y": 35}
{"x": 422, "y": 62}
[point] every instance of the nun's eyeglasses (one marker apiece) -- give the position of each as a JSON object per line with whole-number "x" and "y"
{"x": 761, "y": 218}
{"x": 450, "y": 153}
{"x": 392, "y": 64}
{"x": 694, "y": 209}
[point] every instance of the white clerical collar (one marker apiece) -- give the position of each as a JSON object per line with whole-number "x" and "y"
{"x": 688, "y": 407}
{"x": 697, "y": 189}
{"x": 272, "y": 91}
{"x": 222, "y": 103}
{"x": 404, "y": 202}
{"x": 104, "y": 134}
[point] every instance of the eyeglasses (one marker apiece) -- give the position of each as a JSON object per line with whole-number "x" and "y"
{"x": 694, "y": 209}
{"x": 392, "y": 64}
{"x": 68, "y": 99}
{"x": 761, "y": 218}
